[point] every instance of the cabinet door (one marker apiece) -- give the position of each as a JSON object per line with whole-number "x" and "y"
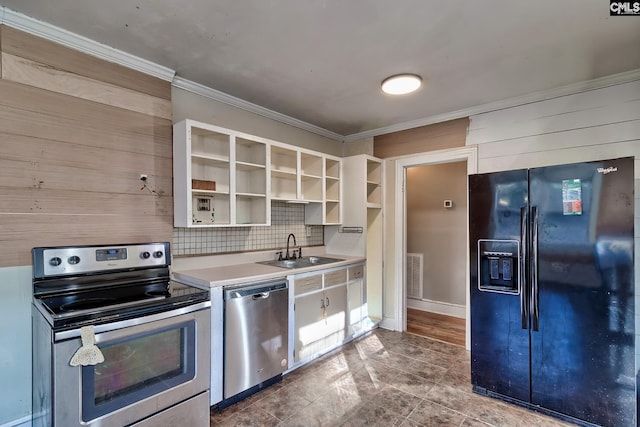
{"x": 356, "y": 306}
{"x": 309, "y": 326}
{"x": 335, "y": 318}
{"x": 320, "y": 321}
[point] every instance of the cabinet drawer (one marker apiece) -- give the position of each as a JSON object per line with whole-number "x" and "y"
{"x": 356, "y": 272}
{"x": 303, "y": 285}
{"x": 335, "y": 278}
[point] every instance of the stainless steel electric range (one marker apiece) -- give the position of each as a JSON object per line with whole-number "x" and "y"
{"x": 115, "y": 341}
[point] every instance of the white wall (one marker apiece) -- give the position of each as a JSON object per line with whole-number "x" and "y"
{"x": 598, "y": 124}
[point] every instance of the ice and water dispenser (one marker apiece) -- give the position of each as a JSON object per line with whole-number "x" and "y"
{"x": 498, "y": 262}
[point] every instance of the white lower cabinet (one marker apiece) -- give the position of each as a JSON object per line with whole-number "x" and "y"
{"x": 328, "y": 310}
{"x": 217, "y": 343}
{"x": 357, "y": 300}
{"x": 320, "y": 321}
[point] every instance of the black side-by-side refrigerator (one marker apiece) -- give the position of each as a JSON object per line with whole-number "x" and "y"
{"x": 552, "y": 289}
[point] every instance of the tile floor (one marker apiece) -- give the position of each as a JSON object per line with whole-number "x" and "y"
{"x": 382, "y": 379}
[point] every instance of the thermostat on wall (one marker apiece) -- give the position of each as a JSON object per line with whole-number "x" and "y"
{"x": 448, "y": 204}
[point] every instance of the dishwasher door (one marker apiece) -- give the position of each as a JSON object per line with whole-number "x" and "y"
{"x": 256, "y": 334}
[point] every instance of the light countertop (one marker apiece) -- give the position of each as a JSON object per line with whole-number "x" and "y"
{"x": 224, "y": 275}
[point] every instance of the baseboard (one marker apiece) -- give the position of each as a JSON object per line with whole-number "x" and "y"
{"x": 439, "y": 307}
{"x": 389, "y": 323}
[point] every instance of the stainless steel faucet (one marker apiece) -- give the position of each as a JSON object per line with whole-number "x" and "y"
{"x": 286, "y": 256}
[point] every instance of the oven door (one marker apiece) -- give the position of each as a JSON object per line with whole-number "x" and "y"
{"x": 151, "y": 364}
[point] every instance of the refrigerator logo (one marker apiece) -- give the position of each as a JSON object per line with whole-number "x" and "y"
{"x": 621, "y": 8}
{"x": 607, "y": 170}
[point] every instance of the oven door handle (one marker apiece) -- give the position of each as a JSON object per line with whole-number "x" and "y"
{"x": 106, "y": 327}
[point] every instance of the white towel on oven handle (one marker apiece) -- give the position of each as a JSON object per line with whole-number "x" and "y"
{"x": 88, "y": 353}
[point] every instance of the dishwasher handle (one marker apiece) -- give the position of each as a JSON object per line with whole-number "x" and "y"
{"x": 255, "y": 291}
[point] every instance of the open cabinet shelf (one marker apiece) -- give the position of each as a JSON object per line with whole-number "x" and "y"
{"x": 224, "y": 178}
{"x": 230, "y": 170}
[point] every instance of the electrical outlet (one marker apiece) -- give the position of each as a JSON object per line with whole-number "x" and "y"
{"x": 308, "y": 230}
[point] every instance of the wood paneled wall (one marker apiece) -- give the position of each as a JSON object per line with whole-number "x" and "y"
{"x": 76, "y": 133}
{"x": 439, "y": 136}
{"x": 596, "y": 124}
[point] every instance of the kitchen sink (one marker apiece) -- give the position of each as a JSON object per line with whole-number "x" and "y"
{"x": 301, "y": 262}
{"x": 320, "y": 260}
{"x": 284, "y": 263}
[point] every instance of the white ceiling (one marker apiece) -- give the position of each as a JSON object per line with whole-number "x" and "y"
{"x": 322, "y": 61}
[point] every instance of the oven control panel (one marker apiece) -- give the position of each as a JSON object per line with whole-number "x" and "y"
{"x": 56, "y": 261}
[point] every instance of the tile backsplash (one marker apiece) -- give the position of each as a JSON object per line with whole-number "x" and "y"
{"x": 285, "y": 218}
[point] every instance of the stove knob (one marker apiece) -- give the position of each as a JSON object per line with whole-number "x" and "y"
{"x": 73, "y": 260}
{"x": 145, "y": 255}
{"x": 55, "y": 261}
{"x": 158, "y": 254}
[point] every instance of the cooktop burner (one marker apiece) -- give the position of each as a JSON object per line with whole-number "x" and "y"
{"x": 86, "y": 304}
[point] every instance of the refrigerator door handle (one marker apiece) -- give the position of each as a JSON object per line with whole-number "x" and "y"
{"x": 524, "y": 312}
{"x": 535, "y": 309}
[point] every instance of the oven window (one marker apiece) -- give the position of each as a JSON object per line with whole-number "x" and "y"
{"x": 138, "y": 367}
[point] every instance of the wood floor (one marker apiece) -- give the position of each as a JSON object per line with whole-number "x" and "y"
{"x": 437, "y": 326}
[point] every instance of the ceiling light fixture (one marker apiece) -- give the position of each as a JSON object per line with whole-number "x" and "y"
{"x": 401, "y": 84}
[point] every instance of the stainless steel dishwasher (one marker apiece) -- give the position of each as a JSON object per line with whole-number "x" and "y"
{"x": 256, "y": 336}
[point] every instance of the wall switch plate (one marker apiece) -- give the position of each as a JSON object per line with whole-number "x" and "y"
{"x": 448, "y": 204}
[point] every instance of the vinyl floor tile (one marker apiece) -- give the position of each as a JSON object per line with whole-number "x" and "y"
{"x": 382, "y": 379}
{"x": 432, "y": 414}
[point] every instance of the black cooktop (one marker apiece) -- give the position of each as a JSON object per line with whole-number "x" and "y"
{"x": 118, "y": 303}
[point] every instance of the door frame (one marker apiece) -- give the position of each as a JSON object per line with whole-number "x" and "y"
{"x": 470, "y": 154}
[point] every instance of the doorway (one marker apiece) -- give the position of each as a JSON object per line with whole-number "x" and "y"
{"x": 466, "y": 154}
{"x": 436, "y": 243}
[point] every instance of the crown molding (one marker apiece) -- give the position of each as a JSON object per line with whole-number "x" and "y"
{"x": 66, "y": 38}
{"x": 225, "y": 98}
{"x": 74, "y": 41}
{"x": 612, "y": 80}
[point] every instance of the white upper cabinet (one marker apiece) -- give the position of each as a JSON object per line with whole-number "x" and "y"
{"x": 284, "y": 174}
{"x": 322, "y": 189}
{"x": 251, "y": 197}
{"x": 228, "y": 178}
{"x": 333, "y": 191}
{"x": 219, "y": 177}
{"x": 374, "y": 183}
{"x": 308, "y": 177}
{"x": 363, "y": 213}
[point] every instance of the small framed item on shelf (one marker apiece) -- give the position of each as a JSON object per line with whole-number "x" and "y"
{"x": 203, "y": 210}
